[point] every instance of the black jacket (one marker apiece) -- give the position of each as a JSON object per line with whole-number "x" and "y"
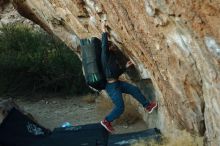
{"x": 110, "y": 63}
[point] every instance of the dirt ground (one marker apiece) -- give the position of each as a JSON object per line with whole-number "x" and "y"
{"x": 52, "y": 112}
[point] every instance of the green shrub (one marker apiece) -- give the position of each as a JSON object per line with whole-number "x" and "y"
{"x": 32, "y": 61}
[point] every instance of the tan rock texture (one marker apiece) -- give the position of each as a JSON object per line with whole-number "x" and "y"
{"x": 175, "y": 43}
{"x": 9, "y": 15}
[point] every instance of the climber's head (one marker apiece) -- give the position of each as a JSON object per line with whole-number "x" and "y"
{"x": 112, "y": 46}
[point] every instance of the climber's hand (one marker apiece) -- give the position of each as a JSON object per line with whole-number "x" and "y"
{"x": 128, "y": 64}
{"x": 104, "y": 26}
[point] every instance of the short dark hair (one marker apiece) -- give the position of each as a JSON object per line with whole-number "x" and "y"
{"x": 112, "y": 46}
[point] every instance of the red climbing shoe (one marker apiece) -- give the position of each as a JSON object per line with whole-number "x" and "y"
{"x": 151, "y": 106}
{"x": 107, "y": 125}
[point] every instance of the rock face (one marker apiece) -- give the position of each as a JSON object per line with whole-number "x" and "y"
{"x": 175, "y": 43}
{"x": 9, "y": 15}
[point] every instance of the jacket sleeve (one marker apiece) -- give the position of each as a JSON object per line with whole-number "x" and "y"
{"x": 105, "y": 48}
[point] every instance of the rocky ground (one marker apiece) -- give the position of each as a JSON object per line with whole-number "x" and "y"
{"x": 52, "y": 112}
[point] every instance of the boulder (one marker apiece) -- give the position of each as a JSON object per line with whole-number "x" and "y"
{"x": 174, "y": 43}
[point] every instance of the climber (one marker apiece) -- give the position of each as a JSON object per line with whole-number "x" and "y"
{"x": 115, "y": 87}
